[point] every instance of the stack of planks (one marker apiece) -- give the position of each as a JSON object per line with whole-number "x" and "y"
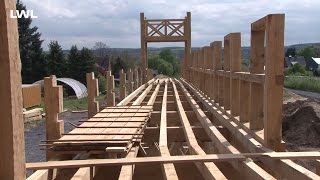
{"x": 114, "y": 129}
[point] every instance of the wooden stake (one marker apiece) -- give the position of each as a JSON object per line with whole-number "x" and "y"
{"x": 130, "y": 81}
{"x": 12, "y": 163}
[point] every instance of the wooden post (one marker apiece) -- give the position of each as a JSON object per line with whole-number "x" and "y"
{"x": 205, "y": 67}
{"x": 273, "y": 88}
{"x": 135, "y": 79}
{"x": 12, "y": 163}
{"x": 226, "y": 79}
{"x": 123, "y": 91}
{"x": 217, "y": 46}
{"x": 256, "y": 89}
{"x": 130, "y": 81}
{"x": 187, "y": 50}
{"x": 143, "y": 52}
{"x": 150, "y": 74}
{"x": 235, "y": 66}
{"x": 110, "y": 90}
{"x": 53, "y": 101}
{"x": 93, "y": 92}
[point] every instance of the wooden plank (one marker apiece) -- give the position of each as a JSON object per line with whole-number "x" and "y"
{"x": 130, "y": 81}
{"x": 248, "y": 168}
{"x": 139, "y": 100}
{"x": 259, "y": 25}
{"x": 154, "y": 95}
{"x": 273, "y": 88}
{"x": 110, "y": 90}
{"x": 208, "y": 170}
{"x": 126, "y": 101}
{"x": 171, "y": 159}
{"x": 284, "y": 168}
{"x": 167, "y": 169}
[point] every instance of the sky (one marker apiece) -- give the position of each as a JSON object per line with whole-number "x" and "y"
{"x": 117, "y": 22}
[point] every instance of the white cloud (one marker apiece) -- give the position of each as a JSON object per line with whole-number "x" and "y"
{"x": 83, "y": 22}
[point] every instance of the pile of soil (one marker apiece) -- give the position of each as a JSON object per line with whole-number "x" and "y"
{"x": 301, "y": 124}
{"x": 301, "y": 128}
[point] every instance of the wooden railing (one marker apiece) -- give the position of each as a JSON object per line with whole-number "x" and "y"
{"x": 253, "y": 99}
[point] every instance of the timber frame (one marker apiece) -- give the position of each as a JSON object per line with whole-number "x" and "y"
{"x": 164, "y": 30}
{"x": 188, "y": 128}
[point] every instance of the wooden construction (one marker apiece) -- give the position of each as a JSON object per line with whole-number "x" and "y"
{"x": 201, "y": 126}
{"x": 123, "y": 88}
{"x": 164, "y": 30}
{"x": 53, "y": 100}
{"x": 31, "y": 94}
{"x": 110, "y": 89}
{"x": 93, "y": 92}
{"x": 12, "y": 164}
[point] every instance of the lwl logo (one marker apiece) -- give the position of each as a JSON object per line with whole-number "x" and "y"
{"x": 22, "y": 13}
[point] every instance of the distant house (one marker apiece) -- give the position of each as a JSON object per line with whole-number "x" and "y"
{"x": 290, "y": 61}
{"x": 313, "y": 64}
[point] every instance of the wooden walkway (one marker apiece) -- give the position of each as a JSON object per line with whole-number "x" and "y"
{"x": 169, "y": 129}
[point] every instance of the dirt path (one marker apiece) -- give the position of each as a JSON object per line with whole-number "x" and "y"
{"x": 307, "y": 94}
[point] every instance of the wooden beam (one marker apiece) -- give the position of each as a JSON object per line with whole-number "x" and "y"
{"x": 11, "y": 119}
{"x": 134, "y": 94}
{"x": 139, "y": 100}
{"x": 53, "y": 100}
{"x": 248, "y": 168}
{"x": 93, "y": 92}
{"x": 171, "y": 159}
{"x": 167, "y": 169}
{"x": 284, "y": 168}
{"x": 123, "y": 89}
{"x": 110, "y": 90}
{"x": 208, "y": 170}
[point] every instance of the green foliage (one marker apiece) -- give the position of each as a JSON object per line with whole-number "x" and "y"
{"x": 117, "y": 65}
{"x": 31, "y": 53}
{"x": 56, "y": 61}
{"x": 291, "y": 52}
{"x": 303, "y": 83}
{"x": 165, "y": 62}
{"x": 309, "y": 52}
{"x": 297, "y": 70}
{"x": 102, "y": 82}
{"x": 86, "y": 64}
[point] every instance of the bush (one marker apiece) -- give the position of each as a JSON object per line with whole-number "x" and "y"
{"x": 303, "y": 83}
{"x": 297, "y": 70}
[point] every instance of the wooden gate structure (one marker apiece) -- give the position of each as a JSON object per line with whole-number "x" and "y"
{"x": 164, "y": 30}
{"x": 216, "y": 122}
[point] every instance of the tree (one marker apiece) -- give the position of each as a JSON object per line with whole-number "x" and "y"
{"x": 308, "y": 52}
{"x": 56, "y": 60}
{"x": 117, "y": 65}
{"x": 291, "y": 52}
{"x": 101, "y": 49}
{"x": 86, "y": 64}
{"x": 73, "y": 63}
{"x": 31, "y": 53}
{"x": 297, "y": 70}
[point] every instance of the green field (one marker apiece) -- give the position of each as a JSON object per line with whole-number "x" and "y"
{"x": 303, "y": 83}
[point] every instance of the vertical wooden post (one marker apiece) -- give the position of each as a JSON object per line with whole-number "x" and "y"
{"x": 217, "y": 46}
{"x": 273, "y": 88}
{"x": 202, "y": 81}
{"x": 235, "y": 66}
{"x": 143, "y": 52}
{"x": 12, "y": 163}
{"x": 256, "y": 89}
{"x": 192, "y": 69}
{"x": 150, "y": 74}
{"x": 130, "y": 81}
{"x": 135, "y": 79}
{"x": 205, "y": 67}
{"x": 53, "y": 101}
{"x": 226, "y": 79}
{"x": 211, "y": 75}
{"x": 93, "y": 92}
{"x": 123, "y": 91}
{"x": 110, "y": 90}
{"x": 187, "y": 50}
